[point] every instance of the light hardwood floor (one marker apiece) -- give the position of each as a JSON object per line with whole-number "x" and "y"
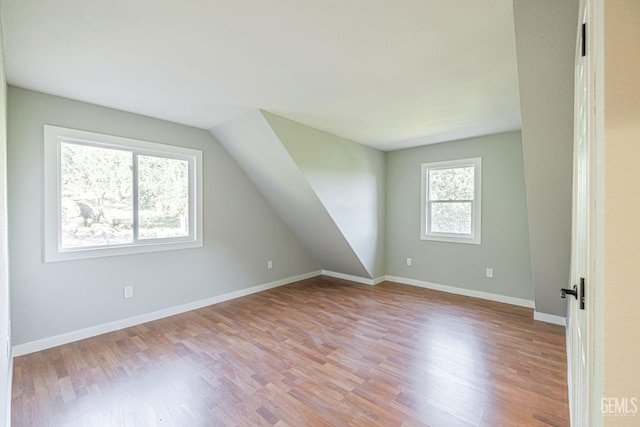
{"x": 321, "y": 352}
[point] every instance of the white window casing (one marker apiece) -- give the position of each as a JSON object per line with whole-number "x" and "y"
{"x": 451, "y": 202}
{"x": 58, "y": 248}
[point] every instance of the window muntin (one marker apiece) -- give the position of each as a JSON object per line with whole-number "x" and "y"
{"x": 107, "y": 195}
{"x": 451, "y": 201}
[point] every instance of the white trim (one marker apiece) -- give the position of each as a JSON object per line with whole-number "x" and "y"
{"x": 550, "y": 318}
{"x": 54, "y": 136}
{"x": 475, "y": 237}
{"x": 466, "y": 292}
{"x": 357, "y": 279}
{"x": 43, "y": 344}
{"x": 379, "y": 280}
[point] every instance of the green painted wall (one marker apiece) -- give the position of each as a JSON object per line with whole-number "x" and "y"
{"x": 545, "y": 43}
{"x": 5, "y": 323}
{"x": 241, "y": 231}
{"x": 505, "y": 233}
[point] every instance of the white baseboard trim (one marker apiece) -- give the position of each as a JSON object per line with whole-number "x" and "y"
{"x": 379, "y": 280}
{"x": 550, "y": 318}
{"x": 43, "y": 344}
{"x": 466, "y": 292}
{"x": 357, "y": 279}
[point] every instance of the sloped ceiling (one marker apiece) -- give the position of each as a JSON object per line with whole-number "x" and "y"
{"x": 252, "y": 142}
{"x": 390, "y": 74}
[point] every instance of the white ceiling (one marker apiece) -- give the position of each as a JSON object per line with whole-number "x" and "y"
{"x": 387, "y": 73}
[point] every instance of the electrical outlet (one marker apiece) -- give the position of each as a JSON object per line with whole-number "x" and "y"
{"x": 409, "y": 262}
{"x": 128, "y": 291}
{"x": 269, "y": 264}
{"x": 489, "y": 272}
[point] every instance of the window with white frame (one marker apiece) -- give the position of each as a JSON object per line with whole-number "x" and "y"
{"x": 107, "y": 195}
{"x": 451, "y": 201}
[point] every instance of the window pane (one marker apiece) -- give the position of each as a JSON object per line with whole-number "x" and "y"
{"x": 163, "y": 197}
{"x": 452, "y": 218}
{"x": 451, "y": 183}
{"x": 96, "y": 196}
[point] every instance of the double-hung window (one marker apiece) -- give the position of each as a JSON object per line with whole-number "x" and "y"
{"x": 108, "y": 195}
{"x": 451, "y": 201}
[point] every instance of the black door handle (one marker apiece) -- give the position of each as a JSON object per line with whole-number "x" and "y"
{"x": 573, "y": 292}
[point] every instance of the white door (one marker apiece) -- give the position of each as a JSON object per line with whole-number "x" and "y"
{"x": 579, "y": 309}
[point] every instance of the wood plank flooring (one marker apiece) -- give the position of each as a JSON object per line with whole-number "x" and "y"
{"x": 320, "y": 352}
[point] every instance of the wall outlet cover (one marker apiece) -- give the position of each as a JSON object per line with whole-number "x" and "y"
{"x": 128, "y": 291}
